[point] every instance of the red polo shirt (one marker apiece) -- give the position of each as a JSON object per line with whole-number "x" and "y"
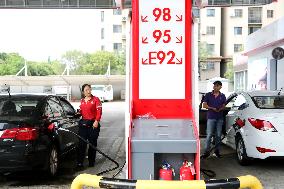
{"x": 92, "y": 109}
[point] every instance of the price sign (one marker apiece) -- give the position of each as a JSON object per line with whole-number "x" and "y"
{"x": 162, "y": 49}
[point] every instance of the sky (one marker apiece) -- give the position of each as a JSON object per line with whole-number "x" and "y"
{"x": 37, "y": 34}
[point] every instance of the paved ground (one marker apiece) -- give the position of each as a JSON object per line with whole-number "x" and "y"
{"x": 111, "y": 141}
{"x": 270, "y": 171}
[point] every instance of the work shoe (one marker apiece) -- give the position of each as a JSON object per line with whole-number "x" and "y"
{"x": 217, "y": 154}
{"x": 205, "y": 155}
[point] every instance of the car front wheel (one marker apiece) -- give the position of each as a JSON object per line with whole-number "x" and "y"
{"x": 241, "y": 153}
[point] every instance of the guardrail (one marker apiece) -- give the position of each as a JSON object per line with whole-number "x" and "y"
{"x": 101, "y": 182}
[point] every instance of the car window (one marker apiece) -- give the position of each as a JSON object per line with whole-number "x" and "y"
{"x": 269, "y": 102}
{"x": 69, "y": 110}
{"x": 240, "y": 100}
{"x": 18, "y": 107}
{"x": 47, "y": 111}
{"x": 56, "y": 108}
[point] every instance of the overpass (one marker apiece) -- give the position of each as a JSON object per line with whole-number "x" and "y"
{"x": 112, "y": 4}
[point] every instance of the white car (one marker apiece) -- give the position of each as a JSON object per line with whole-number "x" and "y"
{"x": 258, "y": 117}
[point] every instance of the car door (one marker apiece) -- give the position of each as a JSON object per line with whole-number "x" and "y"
{"x": 72, "y": 120}
{"x": 60, "y": 120}
{"x": 235, "y": 112}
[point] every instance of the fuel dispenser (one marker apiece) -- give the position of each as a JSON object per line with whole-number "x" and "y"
{"x": 162, "y": 92}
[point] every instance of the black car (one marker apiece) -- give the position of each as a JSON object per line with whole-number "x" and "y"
{"x": 30, "y": 137}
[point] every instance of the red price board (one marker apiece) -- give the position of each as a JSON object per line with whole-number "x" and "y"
{"x": 162, "y": 53}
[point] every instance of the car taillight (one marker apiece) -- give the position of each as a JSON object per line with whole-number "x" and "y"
{"x": 25, "y": 133}
{"x": 10, "y": 133}
{"x": 262, "y": 125}
{"x": 264, "y": 150}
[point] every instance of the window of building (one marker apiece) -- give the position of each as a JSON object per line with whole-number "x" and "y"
{"x": 210, "y": 48}
{"x": 207, "y": 66}
{"x": 102, "y": 33}
{"x": 210, "y": 30}
{"x": 253, "y": 29}
{"x": 238, "y": 13}
{"x": 117, "y": 28}
{"x": 102, "y": 48}
{"x": 241, "y": 79}
{"x": 210, "y": 12}
{"x": 117, "y": 46}
{"x": 116, "y": 11}
{"x": 238, "y": 30}
{"x": 254, "y": 15}
{"x": 196, "y": 12}
{"x": 269, "y": 13}
{"x": 102, "y": 16}
{"x": 238, "y": 47}
{"x": 210, "y": 65}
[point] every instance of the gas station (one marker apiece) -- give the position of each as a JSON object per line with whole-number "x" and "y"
{"x": 161, "y": 116}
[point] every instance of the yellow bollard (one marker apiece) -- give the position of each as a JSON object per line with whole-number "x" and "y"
{"x": 98, "y": 181}
{"x": 250, "y": 182}
{"x": 86, "y": 180}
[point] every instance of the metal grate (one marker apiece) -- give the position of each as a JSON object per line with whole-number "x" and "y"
{"x": 57, "y": 4}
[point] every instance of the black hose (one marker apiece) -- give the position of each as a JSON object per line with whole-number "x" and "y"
{"x": 208, "y": 172}
{"x": 119, "y": 170}
{"x": 95, "y": 148}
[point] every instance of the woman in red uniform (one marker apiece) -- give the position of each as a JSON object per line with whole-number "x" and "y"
{"x": 89, "y": 125}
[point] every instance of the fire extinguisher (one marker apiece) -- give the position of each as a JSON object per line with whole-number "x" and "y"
{"x": 187, "y": 171}
{"x": 166, "y": 172}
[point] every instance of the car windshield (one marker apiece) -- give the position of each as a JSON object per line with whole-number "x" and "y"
{"x": 269, "y": 102}
{"x": 18, "y": 108}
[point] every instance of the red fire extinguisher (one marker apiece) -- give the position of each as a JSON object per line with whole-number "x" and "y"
{"x": 187, "y": 171}
{"x": 166, "y": 172}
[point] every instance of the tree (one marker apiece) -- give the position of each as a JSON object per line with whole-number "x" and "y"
{"x": 72, "y": 58}
{"x": 97, "y": 63}
{"x": 11, "y": 63}
{"x": 229, "y": 74}
{"x": 202, "y": 52}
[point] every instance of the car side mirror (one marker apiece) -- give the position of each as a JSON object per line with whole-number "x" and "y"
{"x": 243, "y": 106}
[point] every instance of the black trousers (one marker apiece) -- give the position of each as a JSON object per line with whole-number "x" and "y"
{"x": 88, "y": 132}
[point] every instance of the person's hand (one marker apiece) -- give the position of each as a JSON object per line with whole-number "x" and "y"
{"x": 96, "y": 124}
{"x": 214, "y": 109}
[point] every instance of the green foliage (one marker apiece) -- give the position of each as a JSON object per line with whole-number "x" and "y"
{"x": 202, "y": 51}
{"x": 95, "y": 63}
{"x": 11, "y": 63}
{"x": 45, "y": 68}
{"x": 229, "y": 74}
{"x": 80, "y": 63}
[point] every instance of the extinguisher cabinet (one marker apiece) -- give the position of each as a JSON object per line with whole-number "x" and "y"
{"x": 162, "y": 89}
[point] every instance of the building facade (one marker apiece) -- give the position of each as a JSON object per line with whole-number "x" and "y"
{"x": 112, "y": 25}
{"x": 223, "y": 32}
{"x": 250, "y": 66}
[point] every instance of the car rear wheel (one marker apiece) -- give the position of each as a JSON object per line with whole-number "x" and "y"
{"x": 53, "y": 161}
{"x": 241, "y": 153}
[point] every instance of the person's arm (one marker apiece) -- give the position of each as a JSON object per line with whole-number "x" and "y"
{"x": 205, "y": 103}
{"x": 98, "y": 113}
{"x": 223, "y": 105}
